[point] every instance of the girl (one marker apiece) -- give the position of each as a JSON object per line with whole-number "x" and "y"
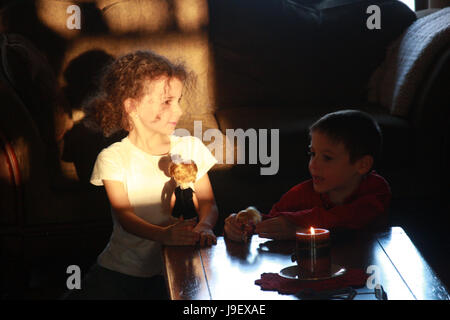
{"x": 140, "y": 93}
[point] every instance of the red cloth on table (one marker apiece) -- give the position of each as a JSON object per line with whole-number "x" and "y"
{"x": 273, "y": 281}
{"x": 365, "y": 207}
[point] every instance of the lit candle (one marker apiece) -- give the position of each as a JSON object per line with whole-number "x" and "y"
{"x": 313, "y": 252}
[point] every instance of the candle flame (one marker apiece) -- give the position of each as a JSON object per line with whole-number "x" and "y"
{"x": 311, "y": 230}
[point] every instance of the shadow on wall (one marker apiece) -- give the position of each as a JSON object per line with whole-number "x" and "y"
{"x": 81, "y": 144}
{"x": 82, "y": 76}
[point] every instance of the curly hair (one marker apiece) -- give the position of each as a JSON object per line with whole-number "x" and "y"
{"x": 124, "y": 78}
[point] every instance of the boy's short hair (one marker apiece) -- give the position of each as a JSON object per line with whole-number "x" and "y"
{"x": 357, "y": 130}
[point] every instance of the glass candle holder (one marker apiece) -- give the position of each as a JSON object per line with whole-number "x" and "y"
{"x": 313, "y": 253}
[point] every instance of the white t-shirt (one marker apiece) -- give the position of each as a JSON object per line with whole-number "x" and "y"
{"x": 149, "y": 188}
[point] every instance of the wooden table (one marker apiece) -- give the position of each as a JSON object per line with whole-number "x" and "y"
{"x": 228, "y": 270}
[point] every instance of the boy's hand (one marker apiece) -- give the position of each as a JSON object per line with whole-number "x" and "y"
{"x": 278, "y": 228}
{"x": 233, "y": 229}
{"x": 180, "y": 234}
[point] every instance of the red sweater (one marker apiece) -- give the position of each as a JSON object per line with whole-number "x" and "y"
{"x": 365, "y": 207}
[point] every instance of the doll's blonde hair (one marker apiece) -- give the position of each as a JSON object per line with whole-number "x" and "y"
{"x": 183, "y": 172}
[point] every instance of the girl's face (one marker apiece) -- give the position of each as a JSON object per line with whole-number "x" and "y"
{"x": 331, "y": 169}
{"x": 159, "y": 110}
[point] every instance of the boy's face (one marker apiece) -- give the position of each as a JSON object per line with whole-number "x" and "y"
{"x": 331, "y": 169}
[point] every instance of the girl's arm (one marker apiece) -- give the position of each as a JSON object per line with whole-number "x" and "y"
{"x": 207, "y": 211}
{"x": 177, "y": 234}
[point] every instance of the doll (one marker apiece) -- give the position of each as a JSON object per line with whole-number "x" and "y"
{"x": 184, "y": 200}
{"x": 248, "y": 218}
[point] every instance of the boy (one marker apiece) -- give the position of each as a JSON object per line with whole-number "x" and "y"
{"x": 344, "y": 192}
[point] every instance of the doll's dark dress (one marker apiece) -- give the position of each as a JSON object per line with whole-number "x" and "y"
{"x": 184, "y": 204}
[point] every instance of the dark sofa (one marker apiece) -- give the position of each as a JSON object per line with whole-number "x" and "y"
{"x": 272, "y": 64}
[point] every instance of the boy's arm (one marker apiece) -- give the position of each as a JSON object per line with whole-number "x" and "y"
{"x": 274, "y": 224}
{"x": 368, "y": 208}
{"x": 297, "y": 198}
{"x": 358, "y": 214}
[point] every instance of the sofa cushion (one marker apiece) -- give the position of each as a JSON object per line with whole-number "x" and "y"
{"x": 398, "y": 78}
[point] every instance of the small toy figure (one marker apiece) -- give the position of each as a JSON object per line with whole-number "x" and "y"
{"x": 248, "y": 219}
{"x": 184, "y": 200}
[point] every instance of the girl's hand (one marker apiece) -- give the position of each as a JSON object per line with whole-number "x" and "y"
{"x": 278, "y": 228}
{"x": 207, "y": 236}
{"x": 180, "y": 234}
{"x": 233, "y": 229}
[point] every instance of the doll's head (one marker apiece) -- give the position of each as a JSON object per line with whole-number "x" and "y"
{"x": 184, "y": 173}
{"x": 248, "y": 219}
{"x": 250, "y": 215}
